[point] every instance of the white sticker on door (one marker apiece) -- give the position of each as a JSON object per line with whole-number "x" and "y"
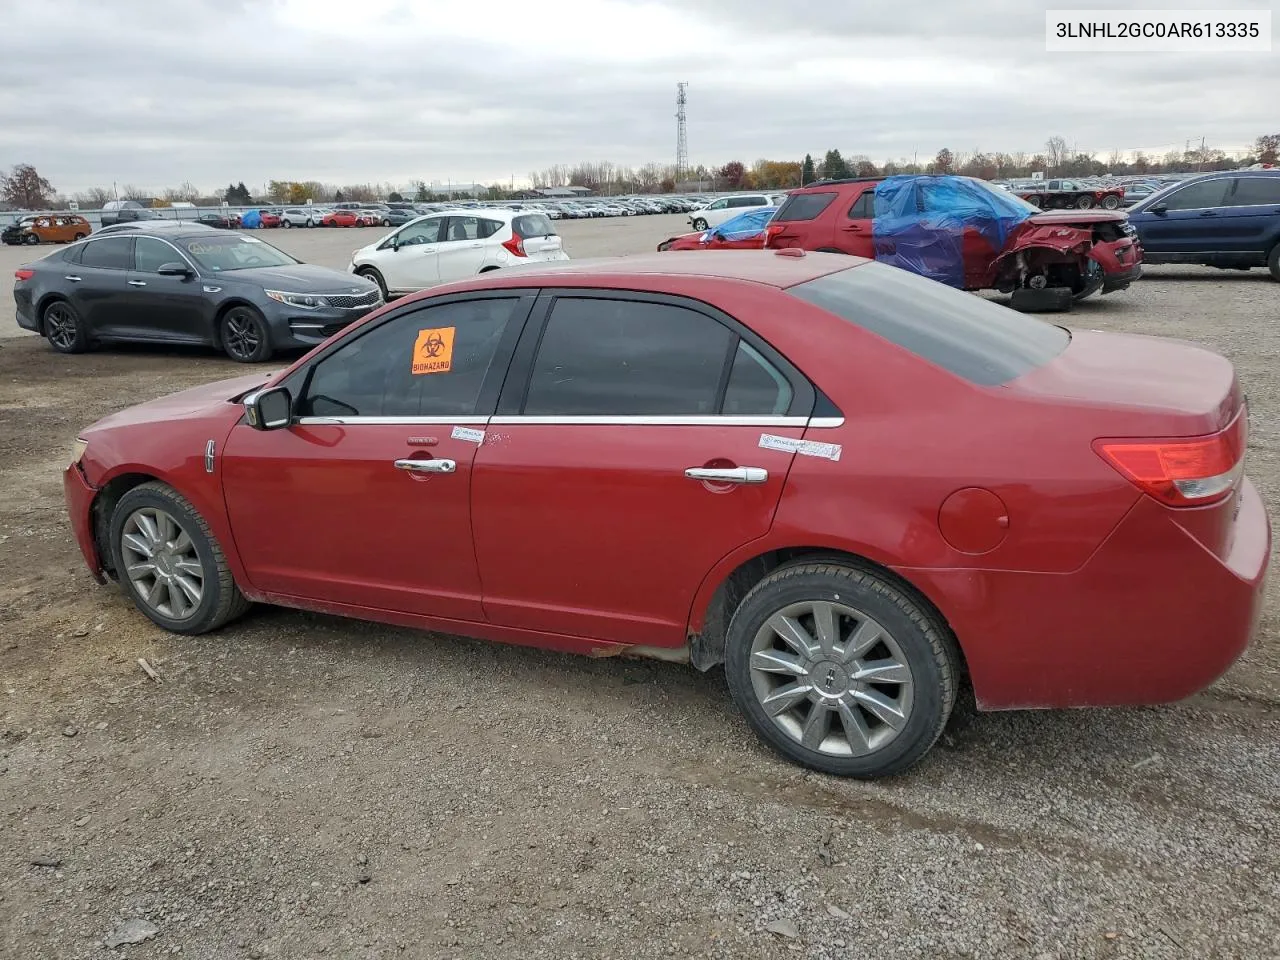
{"x": 806, "y": 448}
{"x": 466, "y": 433}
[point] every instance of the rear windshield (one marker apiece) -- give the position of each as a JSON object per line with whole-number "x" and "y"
{"x": 803, "y": 206}
{"x": 533, "y": 225}
{"x": 983, "y": 342}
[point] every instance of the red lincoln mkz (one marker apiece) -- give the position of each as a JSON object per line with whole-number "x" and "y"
{"x": 851, "y": 485}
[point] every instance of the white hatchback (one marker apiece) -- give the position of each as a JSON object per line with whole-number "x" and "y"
{"x": 726, "y": 208}
{"x": 454, "y": 245}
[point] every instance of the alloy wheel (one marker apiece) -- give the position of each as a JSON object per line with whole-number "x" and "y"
{"x": 60, "y": 326}
{"x": 161, "y": 563}
{"x": 831, "y": 678}
{"x": 241, "y": 334}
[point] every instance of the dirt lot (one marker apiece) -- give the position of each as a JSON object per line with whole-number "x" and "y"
{"x": 303, "y": 786}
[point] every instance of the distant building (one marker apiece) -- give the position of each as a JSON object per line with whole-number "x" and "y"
{"x": 437, "y": 189}
{"x": 563, "y": 192}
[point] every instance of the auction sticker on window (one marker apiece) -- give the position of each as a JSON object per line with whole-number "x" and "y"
{"x": 433, "y": 351}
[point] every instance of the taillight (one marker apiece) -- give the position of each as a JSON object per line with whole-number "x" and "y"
{"x": 24, "y": 274}
{"x": 1182, "y": 471}
{"x": 772, "y": 231}
{"x": 515, "y": 245}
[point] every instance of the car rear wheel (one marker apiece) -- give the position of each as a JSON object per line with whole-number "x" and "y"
{"x": 64, "y": 329}
{"x": 1273, "y": 262}
{"x": 244, "y": 335}
{"x": 839, "y": 669}
{"x": 369, "y": 273}
{"x": 1111, "y": 203}
{"x": 80, "y": 236}
{"x": 699, "y": 224}
{"x": 1084, "y": 203}
{"x": 169, "y": 562}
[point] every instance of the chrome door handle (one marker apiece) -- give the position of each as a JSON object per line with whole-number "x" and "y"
{"x": 734, "y": 475}
{"x": 72, "y": 279}
{"x": 137, "y": 283}
{"x": 427, "y": 466}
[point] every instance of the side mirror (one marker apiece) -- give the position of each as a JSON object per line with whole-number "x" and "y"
{"x": 269, "y": 409}
{"x": 1158, "y": 207}
{"x": 174, "y": 270}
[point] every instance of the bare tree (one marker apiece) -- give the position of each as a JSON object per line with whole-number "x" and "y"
{"x": 93, "y": 198}
{"x": 130, "y": 192}
{"x": 1055, "y": 149}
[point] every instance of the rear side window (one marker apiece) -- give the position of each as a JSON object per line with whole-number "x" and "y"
{"x": 864, "y": 208}
{"x": 532, "y": 225}
{"x": 969, "y": 336}
{"x": 803, "y": 206}
{"x": 1256, "y": 191}
{"x": 755, "y": 386}
{"x": 110, "y": 253}
{"x": 627, "y": 358}
{"x": 487, "y": 228}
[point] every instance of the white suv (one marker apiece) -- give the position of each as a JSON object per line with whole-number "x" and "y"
{"x": 300, "y": 217}
{"x": 454, "y": 245}
{"x": 726, "y": 208}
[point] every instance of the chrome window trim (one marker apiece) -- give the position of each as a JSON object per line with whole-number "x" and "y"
{"x": 620, "y": 421}
{"x": 389, "y": 421}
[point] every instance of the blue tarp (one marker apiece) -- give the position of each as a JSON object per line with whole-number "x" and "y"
{"x": 251, "y": 219}
{"x": 920, "y": 222}
{"x": 744, "y": 226}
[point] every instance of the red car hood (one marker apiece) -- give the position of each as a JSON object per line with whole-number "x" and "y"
{"x": 188, "y": 403}
{"x": 1055, "y": 217}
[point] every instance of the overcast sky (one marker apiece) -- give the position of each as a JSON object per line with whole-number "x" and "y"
{"x": 153, "y": 93}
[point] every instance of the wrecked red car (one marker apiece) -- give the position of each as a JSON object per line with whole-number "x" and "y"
{"x": 965, "y": 233}
{"x": 743, "y": 232}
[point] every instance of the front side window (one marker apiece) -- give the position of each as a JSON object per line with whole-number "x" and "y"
{"x": 431, "y": 362}
{"x": 1197, "y": 196}
{"x": 236, "y": 252}
{"x": 627, "y": 358}
{"x": 109, "y": 253}
{"x": 150, "y": 254}
{"x": 425, "y": 231}
{"x": 719, "y": 205}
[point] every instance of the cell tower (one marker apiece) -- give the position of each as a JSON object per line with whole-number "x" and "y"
{"x": 682, "y": 141}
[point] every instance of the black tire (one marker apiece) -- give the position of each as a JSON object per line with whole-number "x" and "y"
{"x": 1273, "y": 262}
{"x": 32, "y": 239}
{"x": 386, "y": 223}
{"x": 221, "y": 600}
{"x": 244, "y": 336}
{"x": 80, "y": 236}
{"x": 1111, "y": 202}
{"x": 699, "y": 224}
{"x": 1035, "y": 201}
{"x": 287, "y": 223}
{"x": 63, "y": 328}
{"x": 369, "y": 273}
{"x": 1084, "y": 203}
{"x": 925, "y": 644}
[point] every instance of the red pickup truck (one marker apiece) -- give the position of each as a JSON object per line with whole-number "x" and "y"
{"x": 1081, "y": 251}
{"x": 1060, "y": 194}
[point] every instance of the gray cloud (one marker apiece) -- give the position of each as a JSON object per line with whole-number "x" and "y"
{"x": 212, "y": 91}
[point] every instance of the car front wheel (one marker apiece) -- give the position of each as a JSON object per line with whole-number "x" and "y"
{"x": 699, "y": 224}
{"x": 244, "y": 335}
{"x": 169, "y": 562}
{"x": 369, "y": 273}
{"x": 838, "y": 668}
{"x": 1273, "y": 262}
{"x": 287, "y": 224}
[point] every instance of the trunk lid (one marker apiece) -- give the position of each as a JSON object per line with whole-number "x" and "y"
{"x": 1077, "y": 217}
{"x": 1139, "y": 385}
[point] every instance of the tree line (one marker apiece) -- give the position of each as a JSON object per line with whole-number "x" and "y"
{"x": 23, "y": 187}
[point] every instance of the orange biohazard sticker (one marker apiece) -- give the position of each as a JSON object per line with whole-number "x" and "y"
{"x": 433, "y": 351}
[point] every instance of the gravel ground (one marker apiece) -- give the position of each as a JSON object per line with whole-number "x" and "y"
{"x": 302, "y": 786}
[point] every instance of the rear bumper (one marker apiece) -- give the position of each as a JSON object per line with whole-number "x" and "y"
{"x": 1121, "y": 263}
{"x": 26, "y": 319}
{"x": 79, "y": 496}
{"x": 1152, "y": 617}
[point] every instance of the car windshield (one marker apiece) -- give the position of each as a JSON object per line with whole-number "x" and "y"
{"x": 235, "y": 252}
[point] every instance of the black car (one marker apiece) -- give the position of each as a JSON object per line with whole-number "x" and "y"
{"x": 218, "y": 221}
{"x": 186, "y": 286}
{"x": 1229, "y": 220}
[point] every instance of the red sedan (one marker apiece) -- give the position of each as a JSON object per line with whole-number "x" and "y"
{"x": 339, "y": 218}
{"x": 855, "y": 487}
